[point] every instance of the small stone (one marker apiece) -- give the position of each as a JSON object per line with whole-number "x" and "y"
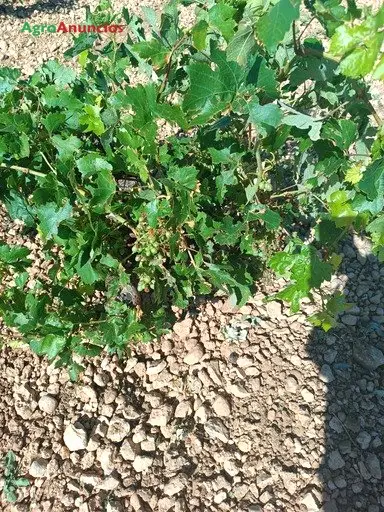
{"x": 244, "y": 445}
{"x": 357, "y": 487}
{"x": 373, "y": 465}
{"x": 310, "y": 502}
{"x": 183, "y": 328}
{"x": 291, "y": 384}
{"x": 221, "y": 406}
{"x": 231, "y": 468}
{"x": 368, "y": 356}
{"x": 326, "y": 374}
{"x": 265, "y": 497}
{"x": 38, "y": 468}
{"x": 340, "y": 482}
{"x": 364, "y": 440}
{"x": 142, "y": 463}
{"x": 350, "y": 320}
{"x": 308, "y": 395}
{"x": 160, "y": 417}
{"x": 48, "y": 404}
{"x": 195, "y": 355}
{"x": 129, "y": 450}
{"x": 118, "y": 429}
{"x": 238, "y": 391}
{"x": 220, "y": 497}
{"x": 165, "y": 504}
{"x": 106, "y": 457}
{"x": 335, "y": 460}
{"x": 183, "y": 409}
{"x": 109, "y": 484}
{"x": 274, "y": 310}
{"x": 175, "y": 485}
{"x": 216, "y": 430}
{"x": 101, "y": 379}
{"x": 90, "y": 478}
{"x": 75, "y": 437}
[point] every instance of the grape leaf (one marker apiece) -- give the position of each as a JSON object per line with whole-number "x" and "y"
{"x": 272, "y": 26}
{"x": 51, "y": 216}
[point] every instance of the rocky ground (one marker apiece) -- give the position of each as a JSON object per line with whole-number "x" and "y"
{"x": 248, "y": 410}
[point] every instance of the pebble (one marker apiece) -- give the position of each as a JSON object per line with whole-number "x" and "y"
{"x": 142, "y": 463}
{"x": 118, "y": 429}
{"x": 350, "y": 320}
{"x": 291, "y": 384}
{"x": 161, "y": 416}
{"x": 364, "y": 440}
{"x": 368, "y": 356}
{"x": 216, "y": 430}
{"x": 221, "y": 406}
{"x": 308, "y": 395}
{"x": 220, "y": 497}
{"x": 48, "y": 404}
{"x": 238, "y": 391}
{"x": 310, "y": 502}
{"x": 175, "y": 485}
{"x": 75, "y": 437}
{"x": 195, "y": 355}
{"x": 373, "y": 465}
{"x": 335, "y": 460}
{"x": 326, "y": 374}
{"x": 38, "y": 468}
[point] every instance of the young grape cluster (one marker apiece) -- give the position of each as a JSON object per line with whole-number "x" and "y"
{"x": 150, "y": 246}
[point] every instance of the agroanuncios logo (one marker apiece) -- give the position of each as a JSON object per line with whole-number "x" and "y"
{"x": 37, "y": 30}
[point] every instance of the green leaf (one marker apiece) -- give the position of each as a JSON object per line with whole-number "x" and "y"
{"x": 92, "y": 119}
{"x": 378, "y": 74}
{"x": 92, "y": 163}
{"x": 51, "y": 216}
{"x": 263, "y": 77}
{"x": 376, "y": 229}
{"x": 221, "y": 17}
{"x": 242, "y": 44}
{"x": 66, "y": 147}
{"x": 103, "y": 192}
{"x": 18, "y": 208}
{"x": 83, "y": 42}
{"x": 13, "y": 253}
{"x": 304, "y": 122}
{"x": 199, "y": 34}
{"x": 273, "y": 26}
{"x": 342, "y": 131}
{"x": 209, "y": 86}
{"x": 86, "y": 272}
{"x": 8, "y": 79}
{"x": 51, "y": 345}
{"x": 303, "y": 267}
{"x": 153, "y": 50}
{"x": 340, "y": 209}
{"x": 184, "y": 176}
{"x": 358, "y": 46}
{"x": 269, "y": 114}
{"x": 372, "y": 182}
{"x": 53, "y": 121}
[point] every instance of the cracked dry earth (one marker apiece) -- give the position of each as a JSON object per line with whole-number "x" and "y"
{"x": 236, "y": 410}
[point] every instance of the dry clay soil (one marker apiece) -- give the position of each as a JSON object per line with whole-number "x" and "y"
{"x": 235, "y": 410}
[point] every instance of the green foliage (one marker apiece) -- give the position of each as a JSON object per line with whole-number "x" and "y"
{"x": 215, "y": 166}
{"x": 11, "y": 478}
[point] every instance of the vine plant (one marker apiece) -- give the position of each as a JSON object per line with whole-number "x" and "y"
{"x": 183, "y": 160}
